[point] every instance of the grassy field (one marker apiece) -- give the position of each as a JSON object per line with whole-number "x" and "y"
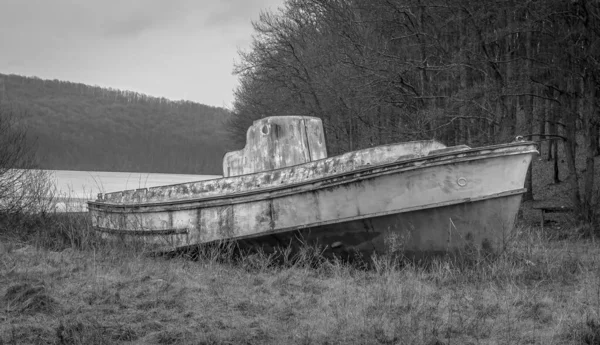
{"x": 61, "y": 285}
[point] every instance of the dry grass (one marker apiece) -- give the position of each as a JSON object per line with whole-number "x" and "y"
{"x": 66, "y": 287}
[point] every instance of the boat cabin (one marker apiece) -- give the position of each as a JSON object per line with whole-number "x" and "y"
{"x": 277, "y": 142}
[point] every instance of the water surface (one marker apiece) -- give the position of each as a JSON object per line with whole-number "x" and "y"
{"x": 74, "y": 188}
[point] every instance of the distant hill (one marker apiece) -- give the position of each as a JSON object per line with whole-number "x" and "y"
{"x": 83, "y": 127}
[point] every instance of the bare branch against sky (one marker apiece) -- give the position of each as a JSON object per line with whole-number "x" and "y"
{"x": 178, "y": 49}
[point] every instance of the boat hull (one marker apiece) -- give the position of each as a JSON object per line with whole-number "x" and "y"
{"x": 472, "y": 226}
{"x": 425, "y": 205}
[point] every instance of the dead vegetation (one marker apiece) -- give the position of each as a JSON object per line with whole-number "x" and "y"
{"x": 71, "y": 288}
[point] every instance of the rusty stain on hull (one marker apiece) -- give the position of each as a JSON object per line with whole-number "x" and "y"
{"x": 422, "y": 195}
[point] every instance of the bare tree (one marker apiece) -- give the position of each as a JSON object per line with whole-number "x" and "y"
{"x": 22, "y": 187}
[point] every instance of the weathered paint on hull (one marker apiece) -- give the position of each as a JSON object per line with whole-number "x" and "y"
{"x": 476, "y": 195}
{"x": 482, "y": 225}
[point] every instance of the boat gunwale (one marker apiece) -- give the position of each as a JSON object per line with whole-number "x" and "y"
{"x": 513, "y": 192}
{"x": 372, "y": 171}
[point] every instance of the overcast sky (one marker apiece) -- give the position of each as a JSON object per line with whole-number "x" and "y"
{"x": 178, "y": 49}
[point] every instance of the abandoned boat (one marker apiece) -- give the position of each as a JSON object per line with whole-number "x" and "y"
{"x": 281, "y": 189}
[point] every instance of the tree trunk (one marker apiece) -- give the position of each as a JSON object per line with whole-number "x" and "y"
{"x": 597, "y": 138}
{"x": 570, "y": 148}
{"x": 510, "y": 105}
{"x": 555, "y": 174}
{"x": 528, "y": 113}
{"x": 589, "y": 129}
{"x": 552, "y": 131}
{"x": 542, "y": 121}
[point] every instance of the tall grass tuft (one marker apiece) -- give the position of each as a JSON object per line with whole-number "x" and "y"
{"x": 52, "y": 231}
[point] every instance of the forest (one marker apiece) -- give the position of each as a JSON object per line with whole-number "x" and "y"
{"x": 472, "y": 72}
{"x": 75, "y": 126}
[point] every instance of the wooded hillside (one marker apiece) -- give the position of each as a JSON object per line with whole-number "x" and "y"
{"x": 469, "y": 71}
{"x": 82, "y": 127}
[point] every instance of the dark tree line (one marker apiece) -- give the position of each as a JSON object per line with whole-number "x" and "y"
{"x": 473, "y": 72}
{"x": 82, "y": 127}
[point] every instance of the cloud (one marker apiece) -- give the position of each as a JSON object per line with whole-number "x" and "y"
{"x": 136, "y": 17}
{"x": 234, "y": 12}
{"x": 116, "y": 18}
{"x": 171, "y": 48}
{"x": 82, "y": 18}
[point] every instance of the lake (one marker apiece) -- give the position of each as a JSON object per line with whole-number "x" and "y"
{"x": 74, "y": 188}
